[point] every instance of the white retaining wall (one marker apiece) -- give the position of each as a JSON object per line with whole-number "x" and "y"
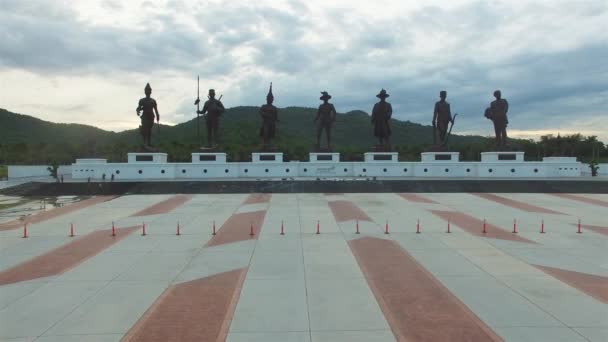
{"x": 36, "y": 171}
{"x": 154, "y": 170}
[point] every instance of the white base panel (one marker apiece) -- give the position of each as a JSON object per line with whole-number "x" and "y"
{"x": 271, "y": 166}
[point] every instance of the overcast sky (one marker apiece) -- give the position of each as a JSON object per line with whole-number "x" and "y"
{"x": 88, "y": 61}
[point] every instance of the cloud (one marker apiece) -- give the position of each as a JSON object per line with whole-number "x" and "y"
{"x": 545, "y": 57}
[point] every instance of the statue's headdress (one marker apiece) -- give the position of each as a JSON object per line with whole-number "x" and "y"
{"x": 443, "y": 93}
{"x": 382, "y": 94}
{"x": 148, "y": 88}
{"x": 270, "y": 96}
{"x": 325, "y": 96}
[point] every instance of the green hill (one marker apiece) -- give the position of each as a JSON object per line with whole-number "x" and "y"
{"x": 18, "y": 128}
{"x": 28, "y": 140}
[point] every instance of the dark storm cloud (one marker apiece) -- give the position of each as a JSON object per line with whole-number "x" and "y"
{"x": 58, "y": 43}
{"x": 350, "y": 55}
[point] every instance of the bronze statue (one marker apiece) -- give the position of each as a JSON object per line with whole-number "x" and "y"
{"x": 212, "y": 110}
{"x": 381, "y": 114}
{"x": 497, "y": 112}
{"x": 442, "y": 116}
{"x": 326, "y": 116}
{"x": 148, "y": 106}
{"x": 270, "y": 118}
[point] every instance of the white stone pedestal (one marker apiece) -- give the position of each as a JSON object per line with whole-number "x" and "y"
{"x": 381, "y": 157}
{"x": 507, "y": 157}
{"x": 267, "y": 157}
{"x": 147, "y": 157}
{"x": 324, "y": 157}
{"x": 208, "y": 158}
{"x": 431, "y": 157}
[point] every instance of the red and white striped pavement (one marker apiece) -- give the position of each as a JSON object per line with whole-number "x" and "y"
{"x": 348, "y": 267}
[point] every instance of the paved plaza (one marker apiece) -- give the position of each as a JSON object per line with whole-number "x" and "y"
{"x": 348, "y": 267}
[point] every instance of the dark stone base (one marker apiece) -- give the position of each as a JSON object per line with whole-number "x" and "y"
{"x": 268, "y": 148}
{"x": 210, "y": 149}
{"x": 437, "y": 148}
{"x": 319, "y": 149}
{"x": 147, "y": 149}
{"x": 507, "y": 148}
{"x": 382, "y": 148}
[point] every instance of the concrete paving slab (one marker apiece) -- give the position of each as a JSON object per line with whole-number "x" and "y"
{"x": 590, "y": 257}
{"x": 325, "y": 242}
{"x": 496, "y": 304}
{"x": 35, "y": 245}
{"x": 157, "y": 266}
{"x": 423, "y": 241}
{"x": 32, "y": 315}
{"x": 136, "y": 243}
{"x": 462, "y": 241}
{"x": 209, "y": 263}
{"x": 276, "y": 266}
{"x": 313, "y": 208}
{"x": 81, "y": 338}
{"x": 365, "y": 227}
{"x": 341, "y": 304}
{"x": 182, "y": 243}
{"x": 353, "y": 336}
{"x": 528, "y": 334}
{"x": 331, "y": 266}
{"x": 10, "y": 260}
{"x": 444, "y": 262}
{"x": 277, "y": 305}
{"x": 9, "y": 241}
{"x": 559, "y": 258}
{"x": 106, "y": 312}
{"x": 497, "y": 262}
{"x": 105, "y": 266}
{"x": 13, "y": 292}
{"x": 594, "y": 334}
{"x": 567, "y": 304}
{"x": 290, "y": 243}
{"x": 269, "y": 337}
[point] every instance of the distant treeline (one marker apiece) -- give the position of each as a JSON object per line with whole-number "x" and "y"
{"x": 240, "y": 146}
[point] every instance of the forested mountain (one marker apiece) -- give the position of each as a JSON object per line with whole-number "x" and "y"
{"x": 25, "y": 139}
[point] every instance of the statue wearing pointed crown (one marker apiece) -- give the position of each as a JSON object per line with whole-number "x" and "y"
{"x": 269, "y": 114}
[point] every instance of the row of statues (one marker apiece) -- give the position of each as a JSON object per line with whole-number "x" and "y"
{"x": 443, "y": 121}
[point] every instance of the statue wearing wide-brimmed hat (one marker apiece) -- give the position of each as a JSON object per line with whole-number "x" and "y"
{"x": 270, "y": 118}
{"x": 381, "y": 114}
{"x": 326, "y": 116}
{"x": 147, "y": 107}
